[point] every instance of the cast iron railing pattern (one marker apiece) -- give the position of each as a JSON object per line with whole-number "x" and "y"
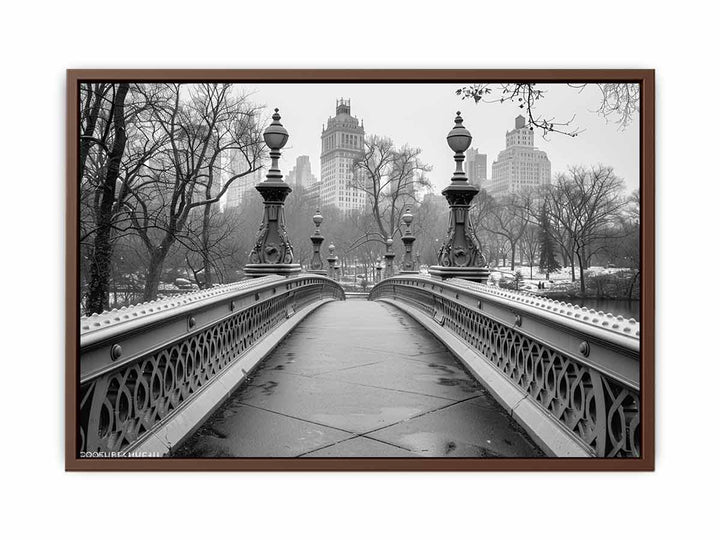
{"x": 578, "y": 365}
{"x": 141, "y": 364}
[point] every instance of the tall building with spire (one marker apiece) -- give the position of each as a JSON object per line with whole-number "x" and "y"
{"x": 342, "y": 143}
{"x": 520, "y": 165}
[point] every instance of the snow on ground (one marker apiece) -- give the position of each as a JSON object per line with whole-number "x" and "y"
{"x": 558, "y": 280}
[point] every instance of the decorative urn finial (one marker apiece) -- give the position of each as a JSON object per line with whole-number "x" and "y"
{"x": 317, "y": 219}
{"x": 459, "y": 140}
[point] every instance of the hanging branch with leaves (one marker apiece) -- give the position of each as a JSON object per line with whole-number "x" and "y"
{"x": 619, "y": 101}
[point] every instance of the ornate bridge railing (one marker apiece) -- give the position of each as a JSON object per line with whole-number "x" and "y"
{"x": 578, "y": 368}
{"x": 142, "y": 366}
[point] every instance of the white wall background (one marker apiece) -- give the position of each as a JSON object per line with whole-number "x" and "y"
{"x": 39, "y": 41}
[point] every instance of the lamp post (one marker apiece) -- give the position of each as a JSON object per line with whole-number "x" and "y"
{"x": 408, "y": 264}
{"x": 273, "y": 253}
{"x": 460, "y": 255}
{"x": 332, "y": 259}
{"x": 316, "y": 263}
{"x": 389, "y": 257}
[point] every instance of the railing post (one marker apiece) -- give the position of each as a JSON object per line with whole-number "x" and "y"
{"x": 273, "y": 253}
{"x": 408, "y": 264}
{"x": 378, "y": 270}
{"x": 316, "y": 263}
{"x": 389, "y": 257}
{"x": 460, "y": 255}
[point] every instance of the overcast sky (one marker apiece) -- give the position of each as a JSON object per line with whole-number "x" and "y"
{"x": 422, "y": 114}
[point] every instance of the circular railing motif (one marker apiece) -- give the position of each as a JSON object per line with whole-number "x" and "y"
{"x": 598, "y": 410}
{"x": 121, "y": 406}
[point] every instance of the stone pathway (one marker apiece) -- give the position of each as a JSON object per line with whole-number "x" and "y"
{"x": 360, "y": 379}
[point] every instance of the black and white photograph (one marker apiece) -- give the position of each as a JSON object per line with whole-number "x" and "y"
{"x": 328, "y": 271}
{"x": 367, "y": 270}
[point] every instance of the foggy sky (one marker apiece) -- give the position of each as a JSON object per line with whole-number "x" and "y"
{"x": 422, "y": 114}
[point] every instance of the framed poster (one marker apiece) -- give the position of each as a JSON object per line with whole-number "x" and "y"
{"x": 360, "y": 270}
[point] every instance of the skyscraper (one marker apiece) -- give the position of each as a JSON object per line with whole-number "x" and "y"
{"x": 241, "y": 186}
{"x": 476, "y": 167}
{"x": 342, "y": 143}
{"x": 301, "y": 174}
{"x": 520, "y": 165}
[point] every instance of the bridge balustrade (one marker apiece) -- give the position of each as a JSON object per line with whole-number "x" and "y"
{"x": 578, "y": 368}
{"x": 141, "y": 366}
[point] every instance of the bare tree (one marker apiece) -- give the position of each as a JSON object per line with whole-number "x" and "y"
{"x": 202, "y": 124}
{"x": 391, "y": 179}
{"x": 547, "y": 246}
{"x": 122, "y": 143}
{"x": 211, "y": 251}
{"x": 430, "y": 228}
{"x": 530, "y": 245}
{"x": 623, "y": 247}
{"x": 104, "y": 192}
{"x": 97, "y": 101}
{"x": 620, "y": 101}
{"x": 552, "y": 216}
{"x": 508, "y": 218}
{"x": 586, "y": 202}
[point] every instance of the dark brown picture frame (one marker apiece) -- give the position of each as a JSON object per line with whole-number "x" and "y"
{"x": 644, "y": 77}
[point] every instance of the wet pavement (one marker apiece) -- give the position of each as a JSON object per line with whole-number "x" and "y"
{"x": 360, "y": 379}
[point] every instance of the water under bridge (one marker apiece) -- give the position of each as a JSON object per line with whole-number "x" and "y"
{"x": 291, "y": 367}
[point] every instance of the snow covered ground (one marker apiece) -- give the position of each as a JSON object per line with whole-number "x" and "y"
{"x": 558, "y": 280}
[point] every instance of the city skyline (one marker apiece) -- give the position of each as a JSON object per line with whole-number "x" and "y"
{"x": 394, "y": 110}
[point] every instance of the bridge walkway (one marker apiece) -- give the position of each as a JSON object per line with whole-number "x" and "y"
{"x": 360, "y": 379}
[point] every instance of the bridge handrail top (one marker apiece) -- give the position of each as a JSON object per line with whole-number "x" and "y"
{"x": 100, "y": 326}
{"x": 603, "y": 325}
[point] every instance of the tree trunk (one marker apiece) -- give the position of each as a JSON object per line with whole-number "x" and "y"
{"x": 152, "y": 280}
{"x": 632, "y": 285}
{"x": 564, "y": 257}
{"x": 582, "y": 273}
{"x": 98, "y": 293}
{"x": 512, "y": 257}
{"x": 98, "y": 290}
{"x": 95, "y": 93}
{"x": 206, "y": 264}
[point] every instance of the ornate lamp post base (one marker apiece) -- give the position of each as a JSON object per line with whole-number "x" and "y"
{"x": 476, "y": 273}
{"x": 257, "y": 270}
